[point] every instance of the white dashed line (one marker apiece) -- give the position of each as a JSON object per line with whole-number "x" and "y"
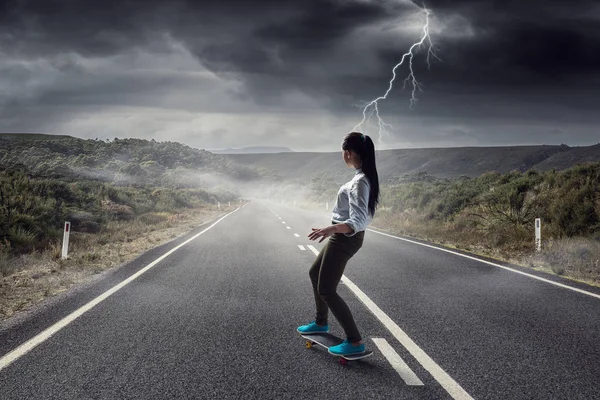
{"x": 449, "y": 384}
{"x": 301, "y": 247}
{"x": 288, "y": 227}
{"x": 407, "y": 375}
{"x": 295, "y": 234}
{"x": 312, "y": 248}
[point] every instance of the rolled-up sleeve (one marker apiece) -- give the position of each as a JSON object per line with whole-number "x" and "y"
{"x": 358, "y": 198}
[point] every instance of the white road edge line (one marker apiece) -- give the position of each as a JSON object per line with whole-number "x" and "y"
{"x": 29, "y": 345}
{"x": 495, "y": 265}
{"x": 407, "y": 375}
{"x": 445, "y": 380}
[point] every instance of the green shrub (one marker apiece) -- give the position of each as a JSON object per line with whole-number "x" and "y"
{"x": 153, "y": 218}
{"x": 22, "y": 239}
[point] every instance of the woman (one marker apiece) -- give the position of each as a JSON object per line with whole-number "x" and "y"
{"x": 352, "y": 213}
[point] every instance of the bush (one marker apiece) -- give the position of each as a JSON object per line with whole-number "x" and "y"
{"x": 22, "y": 239}
{"x": 574, "y": 212}
{"x": 153, "y": 218}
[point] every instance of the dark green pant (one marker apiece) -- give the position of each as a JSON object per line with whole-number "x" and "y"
{"x": 325, "y": 274}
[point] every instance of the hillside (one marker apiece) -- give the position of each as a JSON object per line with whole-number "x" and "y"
{"x": 32, "y": 136}
{"x": 253, "y": 150}
{"x": 128, "y": 161}
{"x": 441, "y": 163}
{"x": 567, "y": 159}
{"x": 45, "y": 181}
{"x": 121, "y": 161}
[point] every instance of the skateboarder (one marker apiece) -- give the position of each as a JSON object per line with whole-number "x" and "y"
{"x": 352, "y": 213}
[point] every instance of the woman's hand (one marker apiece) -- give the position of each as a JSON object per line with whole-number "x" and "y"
{"x": 324, "y": 232}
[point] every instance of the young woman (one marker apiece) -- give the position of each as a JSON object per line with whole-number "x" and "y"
{"x": 352, "y": 213}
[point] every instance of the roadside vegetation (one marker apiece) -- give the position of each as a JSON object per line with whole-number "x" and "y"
{"x": 494, "y": 215}
{"x": 119, "y": 199}
{"x": 110, "y": 225}
{"x": 121, "y": 161}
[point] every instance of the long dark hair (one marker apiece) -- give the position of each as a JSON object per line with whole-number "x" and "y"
{"x": 364, "y": 147}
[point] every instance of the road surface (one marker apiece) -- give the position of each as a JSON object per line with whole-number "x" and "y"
{"x": 212, "y": 315}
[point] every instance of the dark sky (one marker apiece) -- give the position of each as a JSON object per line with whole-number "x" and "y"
{"x": 215, "y": 74}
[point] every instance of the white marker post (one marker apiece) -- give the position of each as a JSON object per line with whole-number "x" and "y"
{"x": 65, "y": 247}
{"x": 327, "y": 206}
{"x": 538, "y": 234}
{"x": 229, "y": 203}
{"x": 219, "y": 205}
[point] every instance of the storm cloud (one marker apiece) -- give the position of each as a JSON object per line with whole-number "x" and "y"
{"x": 215, "y": 74}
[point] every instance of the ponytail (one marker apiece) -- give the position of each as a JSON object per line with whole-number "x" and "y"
{"x": 365, "y": 148}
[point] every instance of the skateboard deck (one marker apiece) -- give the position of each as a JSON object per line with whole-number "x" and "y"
{"x": 327, "y": 340}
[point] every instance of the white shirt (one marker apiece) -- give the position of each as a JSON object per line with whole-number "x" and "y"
{"x": 352, "y": 204}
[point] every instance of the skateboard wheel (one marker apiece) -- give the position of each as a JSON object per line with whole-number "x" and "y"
{"x": 343, "y": 361}
{"x": 308, "y": 344}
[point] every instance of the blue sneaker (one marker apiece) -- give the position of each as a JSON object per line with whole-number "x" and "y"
{"x": 313, "y": 328}
{"x": 346, "y": 348}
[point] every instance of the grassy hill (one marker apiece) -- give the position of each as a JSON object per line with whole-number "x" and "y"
{"x": 252, "y": 150}
{"x": 150, "y": 162}
{"x": 32, "y": 136}
{"x": 121, "y": 161}
{"x": 567, "y": 159}
{"x": 442, "y": 163}
{"x": 46, "y": 180}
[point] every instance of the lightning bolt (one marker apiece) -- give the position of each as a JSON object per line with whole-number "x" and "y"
{"x": 372, "y": 107}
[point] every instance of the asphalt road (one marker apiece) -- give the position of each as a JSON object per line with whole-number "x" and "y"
{"x": 216, "y": 319}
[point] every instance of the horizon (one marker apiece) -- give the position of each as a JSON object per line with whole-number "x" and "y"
{"x": 377, "y": 148}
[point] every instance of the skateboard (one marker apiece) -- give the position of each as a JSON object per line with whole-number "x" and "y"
{"x": 327, "y": 340}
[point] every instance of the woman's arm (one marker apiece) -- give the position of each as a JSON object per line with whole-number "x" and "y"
{"x": 328, "y": 231}
{"x": 343, "y": 228}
